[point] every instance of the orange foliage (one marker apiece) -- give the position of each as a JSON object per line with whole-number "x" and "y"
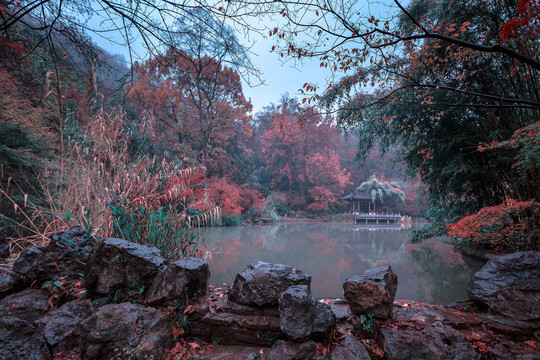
{"x": 301, "y": 161}
{"x": 512, "y": 225}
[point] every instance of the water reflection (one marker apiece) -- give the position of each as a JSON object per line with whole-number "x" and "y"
{"x": 331, "y": 252}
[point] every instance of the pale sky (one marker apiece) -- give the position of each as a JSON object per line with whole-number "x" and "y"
{"x": 279, "y": 78}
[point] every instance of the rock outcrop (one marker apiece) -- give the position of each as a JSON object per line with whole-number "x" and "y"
{"x": 350, "y": 349}
{"x": 510, "y": 285}
{"x": 61, "y": 327}
{"x": 372, "y": 292}
{"x": 116, "y": 327}
{"x": 64, "y": 256}
{"x": 261, "y": 284}
{"x": 10, "y": 281}
{"x": 20, "y": 334}
{"x": 182, "y": 279}
{"x": 302, "y": 317}
{"x": 292, "y": 350}
{"x": 115, "y": 264}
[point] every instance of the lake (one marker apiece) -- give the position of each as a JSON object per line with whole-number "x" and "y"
{"x": 430, "y": 272}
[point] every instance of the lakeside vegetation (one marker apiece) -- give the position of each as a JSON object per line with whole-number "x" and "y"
{"x": 146, "y": 149}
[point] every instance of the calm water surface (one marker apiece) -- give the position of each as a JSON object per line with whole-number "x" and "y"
{"x": 330, "y": 252}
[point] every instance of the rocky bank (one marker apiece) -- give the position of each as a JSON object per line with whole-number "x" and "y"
{"x": 77, "y": 298}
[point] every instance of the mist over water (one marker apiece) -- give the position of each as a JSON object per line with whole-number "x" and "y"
{"x": 430, "y": 272}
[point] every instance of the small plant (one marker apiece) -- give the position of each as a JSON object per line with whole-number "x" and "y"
{"x": 54, "y": 284}
{"x": 368, "y": 323}
{"x": 163, "y": 228}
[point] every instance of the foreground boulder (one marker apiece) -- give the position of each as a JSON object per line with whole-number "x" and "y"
{"x": 9, "y": 280}
{"x": 261, "y": 284}
{"x": 185, "y": 278}
{"x": 510, "y": 285}
{"x": 115, "y": 264}
{"x": 372, "y": 292}
{"x": 283, "y": 350}
{"x": 302, "y": 317}
{"x": 116, "y": 328}
{"x": 65, "y": 255}
{"x": 20, "y": 336}
{"x": 61, "y": 327}
{"x": 428, "y": 343}
{"x": 28, "y": 305}
{"x": 350, "y": 349}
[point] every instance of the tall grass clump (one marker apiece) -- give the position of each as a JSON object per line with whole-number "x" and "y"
{"x": 97, "y": 183}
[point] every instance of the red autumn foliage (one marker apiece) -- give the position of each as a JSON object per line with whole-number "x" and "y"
{"x": 301, "y": 161}
{"x": 196, "y": 105}
{"x": 232, "y": 198}
{"x": 510, "y": 226}
{"x": 525, "y": 22}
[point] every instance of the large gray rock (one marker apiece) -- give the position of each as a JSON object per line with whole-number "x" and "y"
{"x": 20, "y": 339}
{"x": 115, "y": 263}
{"x": 10, "y": 281}
{"x": 289, "y": 350}
{"x": 27, "y": 305}
{"x": 350, "y": 349}
{"x": 432, "y": 342}
{"x": 261, "y": 283}
{"x": 116, "y": 328}
{"x": 20, "y": 336}
{"x": 251, "y": 356}
{"x": 302, "y": 317}
{"x": 61, "y": 327}
{"x": 65, "y": 255}
{"x": 510, "y": 285}
{"x": 372, "y": 292}
{"x": 184, "y": 278}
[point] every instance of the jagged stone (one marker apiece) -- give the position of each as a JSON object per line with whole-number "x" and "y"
{"x": 21, "y": 339}
{"x": 372, "y": 292}
{"x": 65, "y": 255}
{"x": 290, "y": 350}
{"x": 10, "y": 281}
{"x": 115, "y": 263}
{"x": 185, "y": 278}
{"x": 27, "y": 305}
{"x": 126, "y": 326}
{"x": 20, "y": 336}
{"x": 251, "y": 356}
{"x": 510, "y": 285}
{"x": 262, "y": 283}
{"x": 350, "y": 349}
{"x": 302, "y": 317}
{"x": 431, "y": 342}
{"x": 61, "y": 327}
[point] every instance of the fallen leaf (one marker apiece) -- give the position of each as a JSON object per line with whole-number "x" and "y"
{"x": 210, "y": 347}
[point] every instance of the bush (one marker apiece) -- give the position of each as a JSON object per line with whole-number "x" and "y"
{"x": 510, "y": 226}
{"x": 163, "y": 228}
{"x": 97, "y": 184}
